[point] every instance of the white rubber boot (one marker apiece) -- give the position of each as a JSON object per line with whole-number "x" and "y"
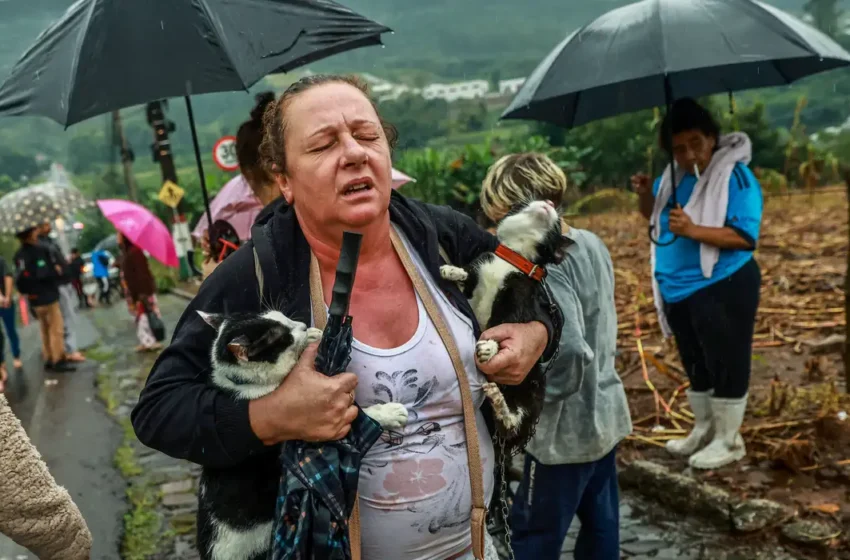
{"x": 727, "y": 445}
{"x": 702, "y": 432}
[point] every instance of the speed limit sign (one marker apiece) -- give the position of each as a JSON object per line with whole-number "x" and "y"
{"x": 224, "y": 154}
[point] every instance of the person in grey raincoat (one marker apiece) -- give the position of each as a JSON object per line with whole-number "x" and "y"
{"x": 570, "y": 463}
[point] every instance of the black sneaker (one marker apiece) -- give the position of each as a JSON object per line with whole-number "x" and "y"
{"x": 61, "y": 367}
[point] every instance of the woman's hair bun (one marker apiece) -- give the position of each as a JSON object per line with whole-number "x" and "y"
{"x": 262, "y": 100}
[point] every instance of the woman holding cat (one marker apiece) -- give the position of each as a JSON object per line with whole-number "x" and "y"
{"x": 329, "y": 152}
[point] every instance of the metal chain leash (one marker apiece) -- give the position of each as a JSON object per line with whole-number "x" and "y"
{"x": 503, "y": 495}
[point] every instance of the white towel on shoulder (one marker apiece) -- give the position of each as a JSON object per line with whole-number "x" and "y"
{"x": 707, "y": 205}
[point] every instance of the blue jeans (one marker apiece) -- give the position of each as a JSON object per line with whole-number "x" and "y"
{"x": 548, "y": 498}
{"x": 8, "y": 317}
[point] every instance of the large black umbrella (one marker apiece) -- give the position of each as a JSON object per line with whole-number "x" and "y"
{"x": 652, "y": 52}
{"x": 649, "y": 53}
{"x": 319, "y": 483}
{"x": 103, "y": 55}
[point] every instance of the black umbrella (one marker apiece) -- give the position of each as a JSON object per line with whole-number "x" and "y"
{"x": 103, "y": 55}
{"x": 650, "y": 53}
{"x": 319, "y": 482}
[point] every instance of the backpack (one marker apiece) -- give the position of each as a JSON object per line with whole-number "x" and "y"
{"x": 34, "y": 268}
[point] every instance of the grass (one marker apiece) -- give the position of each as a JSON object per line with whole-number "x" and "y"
{"x": 102, "y": 354}
{"x": 125, "y": 456}
{"x": 106, "y": 390}
{"x": 141, "y": 524}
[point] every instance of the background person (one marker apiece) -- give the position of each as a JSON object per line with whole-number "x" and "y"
{"x": 37, "y": 277}
{"x": 140, "y": 291}
{"x": 570, "y": 464}
{"x": 7, "y": 314}
{"x": 100, "y": 270}
{"x": 77, "y": 266}
{"x": 707, "y": 281}
{"x": 67, "y": 295}
{"x": 253, "y": 169}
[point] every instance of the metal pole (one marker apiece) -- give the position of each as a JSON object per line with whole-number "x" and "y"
{"x": 198, "y": 160}
{"x": 126, "y": 159}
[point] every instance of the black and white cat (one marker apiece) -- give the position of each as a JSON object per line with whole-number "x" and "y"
{"x": 251, "y": 356}
{"x": 500, "y": 293}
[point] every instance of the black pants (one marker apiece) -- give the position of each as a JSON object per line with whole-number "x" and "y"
{"x": 714, "y": 328}
{"x": 104, "y": 288}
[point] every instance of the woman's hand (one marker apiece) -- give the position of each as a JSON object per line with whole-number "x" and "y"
{"x": 4, "y": 375}
{"x": 308, "y": 405}
{"x": 520, "y": 347}
{"x": 680, "y": 223}
{"x": 641, "y": 183}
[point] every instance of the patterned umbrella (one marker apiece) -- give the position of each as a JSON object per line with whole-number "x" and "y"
{"x": 319, "y": 483}
{"x": 29, "y": 207}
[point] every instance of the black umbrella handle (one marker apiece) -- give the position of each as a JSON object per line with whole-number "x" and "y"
{"x": 346, "y": 267}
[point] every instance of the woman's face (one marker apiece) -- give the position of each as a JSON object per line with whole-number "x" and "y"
{"x": 693, "y": 147}
{"x": 339, "y": 171}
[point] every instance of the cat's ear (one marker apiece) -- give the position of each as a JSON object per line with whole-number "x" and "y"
{"x": 239, "y": 348}
{"x": 212, "y": 319}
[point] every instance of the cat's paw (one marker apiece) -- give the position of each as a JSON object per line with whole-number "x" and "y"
{"x": 492, "y": 391}
{"x": 485, "y": 350}
{"x": 453, "y": 273}
{"x": 313, "y": 335}
{"x": 391, "y": 416}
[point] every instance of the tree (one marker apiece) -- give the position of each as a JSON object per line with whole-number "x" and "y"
{"x": 825, "y": 15}
{"x": 417, "y": 119}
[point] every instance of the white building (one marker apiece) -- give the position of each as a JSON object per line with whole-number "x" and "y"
{"x": 510, "y": 87}
{"x": 473, "y": 89}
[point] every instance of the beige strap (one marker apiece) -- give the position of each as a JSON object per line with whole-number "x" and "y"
{"x": 478, "y": 520}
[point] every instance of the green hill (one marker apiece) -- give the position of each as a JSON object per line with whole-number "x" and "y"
{"x": 434, "y": 40}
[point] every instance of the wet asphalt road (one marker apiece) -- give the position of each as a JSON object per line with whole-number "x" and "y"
{"x": 74, "y": 434}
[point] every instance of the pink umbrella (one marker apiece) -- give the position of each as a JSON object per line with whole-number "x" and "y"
{"x": 145, "y": 230}
{"x": 400, "y": 178}
{"x": 235, "y": 203}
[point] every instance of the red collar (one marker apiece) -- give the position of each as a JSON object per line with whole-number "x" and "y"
{"x": 527, "y": 267}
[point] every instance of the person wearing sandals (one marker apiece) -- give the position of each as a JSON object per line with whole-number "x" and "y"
{"x": 37, "y": 277}
{"x": 140, "y": 292}
{"x": 570, "y": 463}
{"x": 67, "y": 296}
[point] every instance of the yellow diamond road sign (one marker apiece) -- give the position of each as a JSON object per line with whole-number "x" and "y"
{"x": 171, "y": 194}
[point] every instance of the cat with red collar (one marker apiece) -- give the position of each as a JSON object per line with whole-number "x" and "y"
{"x": 502, "y": 288}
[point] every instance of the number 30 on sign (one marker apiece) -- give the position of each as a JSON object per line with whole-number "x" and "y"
{"x": 224, "y": 154}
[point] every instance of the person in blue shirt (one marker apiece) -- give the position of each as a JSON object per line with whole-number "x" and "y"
{"x": 100, "y": 270}
{"x": 707, "y": 277}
